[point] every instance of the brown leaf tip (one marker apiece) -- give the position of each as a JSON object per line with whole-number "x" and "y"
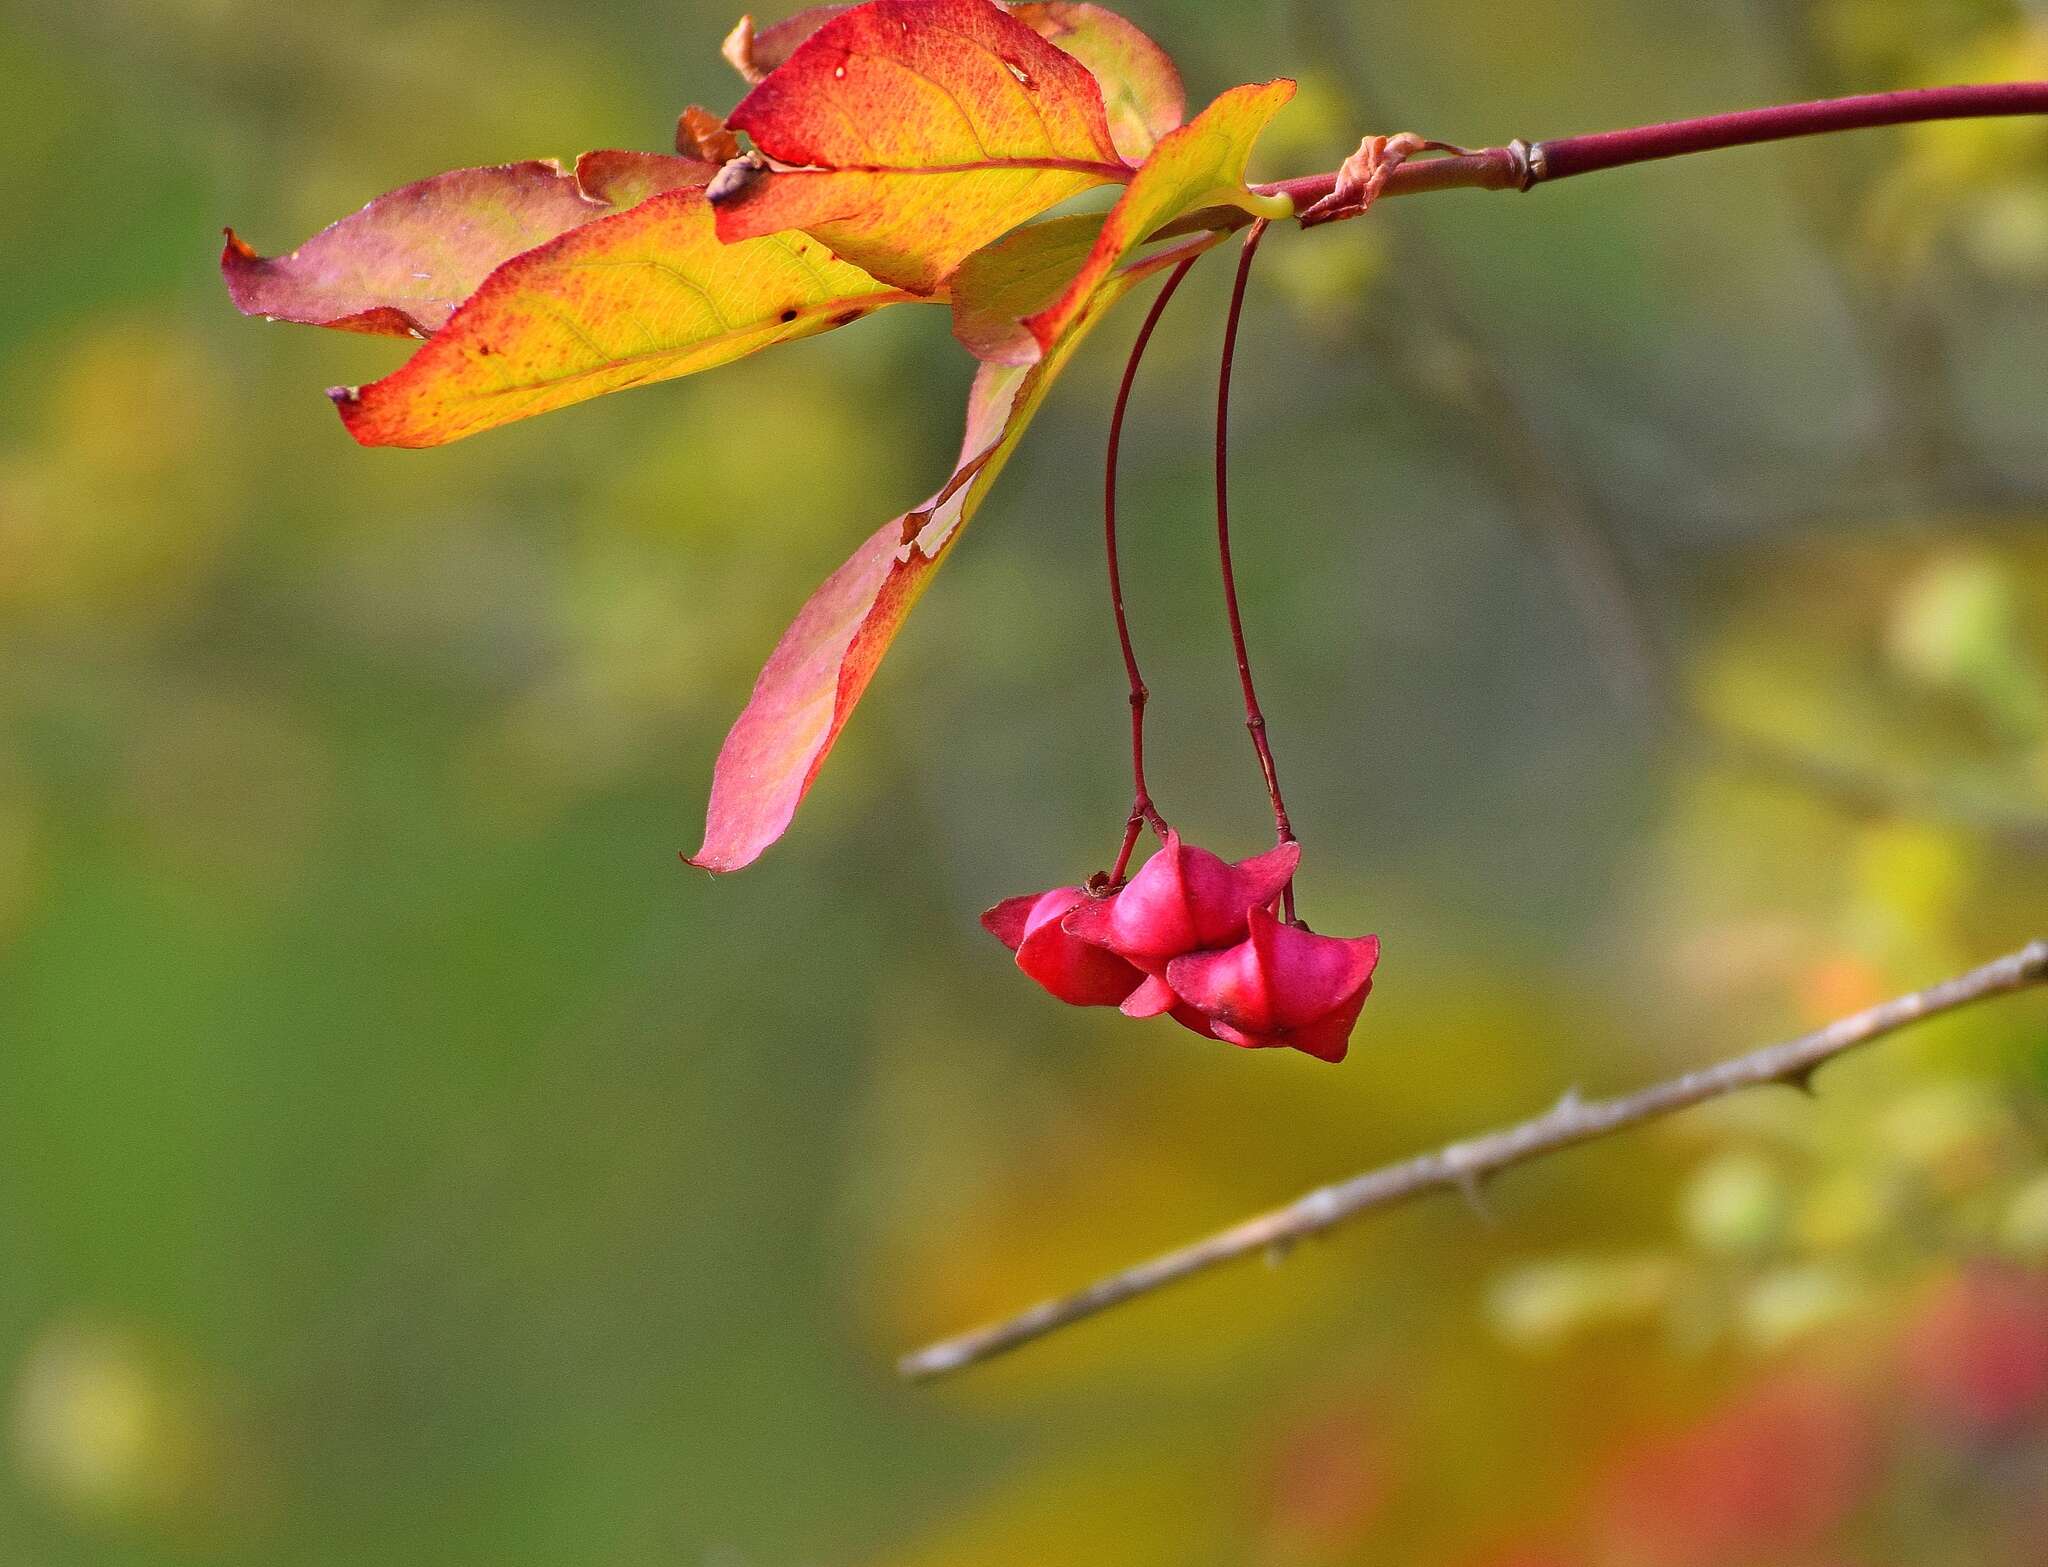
{"x": 739, "y": 50}
{"x": 702, "y": 135}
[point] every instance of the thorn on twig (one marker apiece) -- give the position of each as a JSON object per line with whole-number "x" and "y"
{"x": 1468, "y": 1164}
{"x": 1470, "y": 1179}
{"x": 1802, "y": 1080}
{"x": 1472, "y": 1187}
{"x": 1279, "y": 1251}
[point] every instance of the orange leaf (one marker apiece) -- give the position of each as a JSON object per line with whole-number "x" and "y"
{"x": 642, "y": 296}
{"x": 1200, "y": 165}
{"x": 913, "y": 132}
{"x": 824, "y": 662}
{"x": 401, "y": 265}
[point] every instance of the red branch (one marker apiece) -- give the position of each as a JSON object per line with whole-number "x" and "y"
{"x": 1519, "y": 165}
{"x": 1254, "y": 718}
{"x": 1142, "y": 809}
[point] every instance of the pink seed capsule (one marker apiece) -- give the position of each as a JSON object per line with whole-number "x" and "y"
{"x": 1183, "y": 900}
{"x": 1281, "y": 988}
{"x": 1077, "y": 973}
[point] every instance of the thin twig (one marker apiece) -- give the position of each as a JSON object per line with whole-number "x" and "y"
{"x": 1465, "y": 1166}
{"x": 1254, "y": 716}
{"x": 1142, "y": 808}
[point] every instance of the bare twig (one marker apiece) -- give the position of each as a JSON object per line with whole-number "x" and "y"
{"x": 1142, "y": 808}
{"x": 1638, "y": 664}
{"x": 1254, "y": 716}
{"x": 1465, "y": 1166}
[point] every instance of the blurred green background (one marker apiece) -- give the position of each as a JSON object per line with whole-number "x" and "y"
{"x": 402, "y": 1159}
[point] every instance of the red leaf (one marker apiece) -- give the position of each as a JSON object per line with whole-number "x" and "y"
{"x": 823, "y": 665}
{"x": 1141, "y": 88}
{"x": 913, "y": 132}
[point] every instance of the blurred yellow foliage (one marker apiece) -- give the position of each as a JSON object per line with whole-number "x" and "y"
{"x": 102, "y": 1426}
{"x": 358, "y": 1031}
{"x": 120, "y": 506}
{"x": 1980, "y": 184}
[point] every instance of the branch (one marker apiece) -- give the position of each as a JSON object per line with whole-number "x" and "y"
{"x": 1522, "y": 165}
{"x": 1465, "y": 1166}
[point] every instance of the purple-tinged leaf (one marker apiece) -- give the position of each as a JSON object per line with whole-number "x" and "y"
{"x": 402, "y": 265}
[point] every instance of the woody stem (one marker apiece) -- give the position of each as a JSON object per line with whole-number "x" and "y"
{"x": 1524, "y": 165}
{"x": 1142, "y": 809}
{"x": 1254, "y": 718}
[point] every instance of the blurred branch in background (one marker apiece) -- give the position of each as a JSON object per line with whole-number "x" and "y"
{"x": 1439, "y": 358}
{"x": 1900, "y": 329}
{"x": 1443, "y": 361}
{"x": 1465, "y": 1166}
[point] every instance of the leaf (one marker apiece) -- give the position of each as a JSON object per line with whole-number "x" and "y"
{"x": 642, "y": 296}
{"x": 703, "y": 135}
{"x": 625, "y": 179}
{"x": 1200, "y": 165}
{"x": 824, "y": 662}
{"x": 1141, "y": 88}
{"x": 756, "y": 52}
{"x": 1001, "y": 285}
{"x": 401, "y": 265}
{"x": 917, "y": 131}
